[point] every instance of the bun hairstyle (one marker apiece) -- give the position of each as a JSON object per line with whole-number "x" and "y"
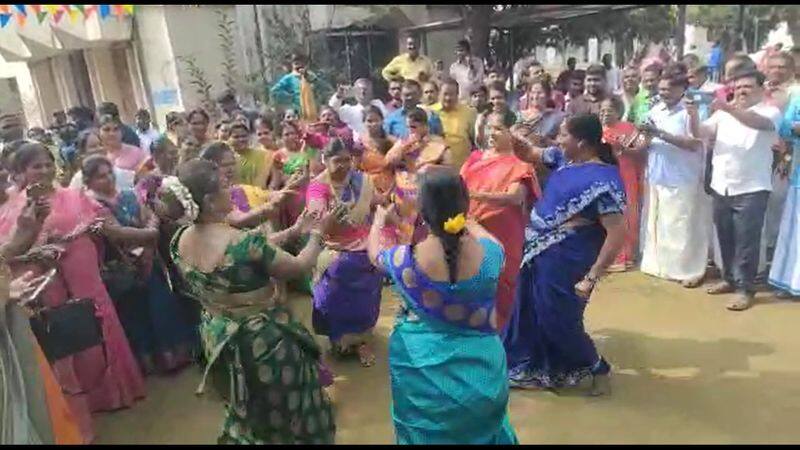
{"x": 587, "y": 127}
{"x": 335, "y": 147}
{"x": 201, "y": 178}
{"x": 444, "y": 199}
{"x": 215, "y": 151}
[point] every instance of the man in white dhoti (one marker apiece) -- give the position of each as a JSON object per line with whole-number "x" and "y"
{"x": 676, "y": 235}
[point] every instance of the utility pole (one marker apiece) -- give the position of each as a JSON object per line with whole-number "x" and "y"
{"x": 680, "y": 32}
{"x": 740, "y": 29}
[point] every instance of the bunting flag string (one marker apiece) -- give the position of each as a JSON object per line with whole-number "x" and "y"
{"x": 57, "y": 12}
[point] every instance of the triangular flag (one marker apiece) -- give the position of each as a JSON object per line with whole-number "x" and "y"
{"x": 58, "y": 15}
{"x": 3, "y": 9}
{"x": 21, "y": 19}
{"x": 73, "y": 14}
{"x": 4, "y": 18}
{"x": 128, "y": 9}
{"x": 105, "y": 10}
{"x": 41, "y": 16}
{"x": 118, "y": 10}
{"x": 21, "y": 9}
{"x": 37, "y": 9}
{"x": 89, "y": 9}
{"x": 79, "y": 8}
{"x": 52, "y": 9}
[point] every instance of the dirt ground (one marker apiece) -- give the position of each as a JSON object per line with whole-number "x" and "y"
{"x": 685, "y": 371}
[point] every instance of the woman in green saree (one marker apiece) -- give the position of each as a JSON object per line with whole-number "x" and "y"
{"x": 271, "y": 359}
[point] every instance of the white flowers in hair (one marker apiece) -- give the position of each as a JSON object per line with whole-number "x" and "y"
{"x": 182, "y": 194}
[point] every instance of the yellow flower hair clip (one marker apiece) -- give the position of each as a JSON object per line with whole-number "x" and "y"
{"x": 454, "y": 225}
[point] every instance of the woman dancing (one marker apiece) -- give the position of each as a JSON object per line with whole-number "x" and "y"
{"x": 271, "y": 359}
{"x": 446, "y": 361}
{"x": 501, "y": 190}
{"x": 575, "y": 232}
{"x": 347, "y": 288}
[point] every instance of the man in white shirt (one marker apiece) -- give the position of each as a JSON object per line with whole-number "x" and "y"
{"x": 144, "y": 128}
{"x": 467, "y": 70}
{"x": 675, "y": 236}
{"x": 353, "y": 115}
{"x": 744, "y": 132}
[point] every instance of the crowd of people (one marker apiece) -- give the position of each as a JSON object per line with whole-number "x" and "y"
{"x": 492, "y": 211}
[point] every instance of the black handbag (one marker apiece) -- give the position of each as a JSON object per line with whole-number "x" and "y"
{"x": 67, "y": 329}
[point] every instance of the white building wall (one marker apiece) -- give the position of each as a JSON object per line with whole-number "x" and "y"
{"x": 157, "y": 62}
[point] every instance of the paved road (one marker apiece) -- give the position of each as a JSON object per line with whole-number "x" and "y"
{"x": 686, "y": 371}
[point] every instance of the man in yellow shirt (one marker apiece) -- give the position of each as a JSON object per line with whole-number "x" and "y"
{"x": 458, "y": 122}
{"x": 410, "y": 65}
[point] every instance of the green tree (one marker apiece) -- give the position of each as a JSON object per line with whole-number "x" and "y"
{"x": 721, "y": 22}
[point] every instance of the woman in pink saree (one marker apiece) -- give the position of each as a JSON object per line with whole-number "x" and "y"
{"x": 501, "y": 189}
{"x": 97, "y": 379}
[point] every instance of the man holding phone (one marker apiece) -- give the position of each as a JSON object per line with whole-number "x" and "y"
{"x": 353, "y": 115}
{"x": 702, "y": 90}
{"x": 744, "y": 131}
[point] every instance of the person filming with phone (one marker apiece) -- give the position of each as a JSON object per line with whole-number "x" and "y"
{"x": 98, "y": 373}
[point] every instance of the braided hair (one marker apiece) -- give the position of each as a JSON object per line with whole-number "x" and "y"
{"x": 443, "y": 196}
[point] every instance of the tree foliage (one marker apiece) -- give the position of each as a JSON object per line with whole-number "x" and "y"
{"x": 225, "y": 25}
{"x": 647, "y": 24}
{"x": 722, "y": 21}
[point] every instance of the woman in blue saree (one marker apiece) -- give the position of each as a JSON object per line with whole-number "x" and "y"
{"x": 575, "y": 232}
{"x": 446, "y": 361}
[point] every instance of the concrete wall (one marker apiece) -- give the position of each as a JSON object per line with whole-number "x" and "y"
{"x": 29, "y": 102}
{"x": 157, "y": 62}
{"x": 193, "y": 33}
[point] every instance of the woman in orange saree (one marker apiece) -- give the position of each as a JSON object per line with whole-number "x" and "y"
{"x": 408, "y": 157}
{"x": 629, "y": 146}
{"x": 501, "y": 189}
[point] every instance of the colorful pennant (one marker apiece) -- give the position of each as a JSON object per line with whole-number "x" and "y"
{"x": 57, "y": 12}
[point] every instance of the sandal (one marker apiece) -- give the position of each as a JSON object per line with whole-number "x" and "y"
{"x": 740, "y": 303}
{"x": 722, "y": 287}
{"x": 365, "y": 355}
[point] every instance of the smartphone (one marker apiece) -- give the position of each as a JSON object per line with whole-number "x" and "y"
{"x": 37, "y": 191}
{"x": 700, "y": 98}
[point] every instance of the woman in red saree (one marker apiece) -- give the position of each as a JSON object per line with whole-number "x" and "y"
{"x": 629, "y": 146}
{"x": 501, "y": 189}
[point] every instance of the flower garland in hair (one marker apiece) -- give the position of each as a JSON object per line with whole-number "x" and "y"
{"x": 190, "y": 209}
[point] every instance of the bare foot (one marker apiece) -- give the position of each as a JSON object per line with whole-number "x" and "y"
{"x": 365, "y": 355}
